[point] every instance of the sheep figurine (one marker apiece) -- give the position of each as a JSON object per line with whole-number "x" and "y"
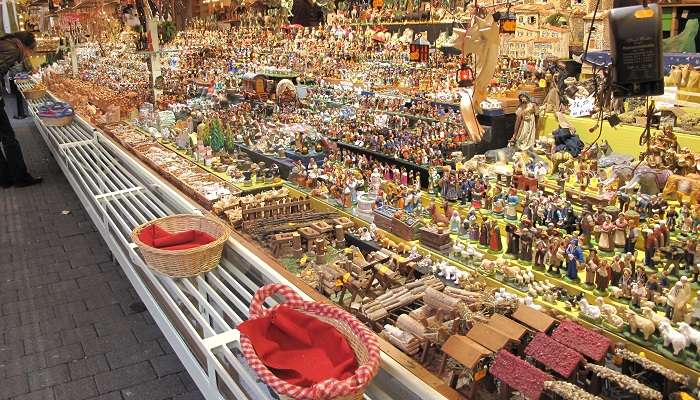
{"x": 527, "y": 301}
{"x": 461, "y": 276}
{"x": 457, "y": 248}
{"x": 588, "y": 310}
{"x": 615, "y": 292}
{"x": 606, "y": 309}
{"x": 691, "y": 333}
{"x": 639, "y": 323}
{"x": 657, "y": 319}
{"x": 672, "y": 337}
{"x": 447, "y": 270}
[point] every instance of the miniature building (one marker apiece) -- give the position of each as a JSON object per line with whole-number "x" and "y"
{"x": 466, "y": 352}
{"x": 519, "y": 374}
{"x": 489, "y": 337}
{"x": 600, "y": 35}
{"x": 554, "y": 355}
{"x": 591, "y": 344}
{"x": 508, "y": 327}
{"x": 536, "y": 320}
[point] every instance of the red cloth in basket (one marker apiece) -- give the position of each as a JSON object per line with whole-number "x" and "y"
{"x": 159, "y": 238}
{"x": 300, "y": 349}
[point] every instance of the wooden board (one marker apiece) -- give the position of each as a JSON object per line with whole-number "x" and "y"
{"x": 466, "y": 351}
{"x": 536, "y": 320}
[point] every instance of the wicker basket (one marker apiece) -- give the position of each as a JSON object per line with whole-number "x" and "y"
{"x": 362, "y": 341}
{"x": 34, "y": 94}
{"x": 188, "y": 262}
{"x": 57, "y": 121}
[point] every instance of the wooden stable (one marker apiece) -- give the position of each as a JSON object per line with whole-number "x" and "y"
{"x": 489, "y": 337}
{"x": 537, "y": 320}
{"x": 510, "y": 329}
{"x": 470, "y": 355}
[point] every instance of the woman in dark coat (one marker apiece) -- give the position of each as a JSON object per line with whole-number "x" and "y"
{"x": 14, "y": 48}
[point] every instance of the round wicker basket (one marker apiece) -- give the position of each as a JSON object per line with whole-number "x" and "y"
{"x": 34, "y": 94}
{"x": 362, "y": 341}
{"x": 57, "y": 121}
{"x": 189, "y": 262}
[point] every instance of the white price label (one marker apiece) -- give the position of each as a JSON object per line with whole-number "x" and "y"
{"x": 582, "y": 106}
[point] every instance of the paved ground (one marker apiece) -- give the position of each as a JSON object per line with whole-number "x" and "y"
{"x": 67, "y": 328}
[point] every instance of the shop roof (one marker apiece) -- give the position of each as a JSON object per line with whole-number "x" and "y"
{"x": 466, "y": 351}
{"x": 507, "y": 326}
{"x": 519, "y": 374}
{"x": 488, "y": 337}
{"x": 553, "y": 355}
{"x": 591, "y": 344}
{"x": 535, "y": 319}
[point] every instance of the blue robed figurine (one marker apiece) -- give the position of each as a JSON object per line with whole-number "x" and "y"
{"x": 574, "y": 256}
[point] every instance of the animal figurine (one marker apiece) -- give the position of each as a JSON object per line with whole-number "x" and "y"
{"x": 527, "y": 300}
{"x": 461, "y": 276}
{"x": 651, "y": 315}
{"x": 385, "y": 242}
{"x": 447, "y": 270}
{"x": 405, "y": 248}
{"x": 641, "y": 324}
{"x": 672, "y": 337}
{"x": 660, "y": 300}
{"x": 519, "y": 279}
{"x": 549, "y": 297}
{"x": 487, "y": 266}
{"x": 457, "y": 248}
{"x": 614, "y": 320}
{"x": 437, "y": 215}
{"x": 691, "y": 333}
{"x": 590, "y": 311}
{"x": 606, "y": 309}
{"x": 509, "y": 272}
{"x": 615, "y": 292}
{"x": 531, "y": 290}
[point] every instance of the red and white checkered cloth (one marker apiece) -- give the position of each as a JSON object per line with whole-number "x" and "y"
{"x": 325, "y": 390}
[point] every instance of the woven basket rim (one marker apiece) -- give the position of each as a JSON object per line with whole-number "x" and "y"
{"x": 218, "y": 241}
{"x": 361, "y": 327}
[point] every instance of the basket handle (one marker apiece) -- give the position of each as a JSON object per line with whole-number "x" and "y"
{"x": 256, "y": 305}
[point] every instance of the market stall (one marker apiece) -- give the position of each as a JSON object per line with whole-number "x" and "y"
{"x": 437, "y": 210}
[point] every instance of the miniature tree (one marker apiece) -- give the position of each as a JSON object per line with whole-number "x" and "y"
{"x": 229, "y": 144}
{"x": 217, "y": 136}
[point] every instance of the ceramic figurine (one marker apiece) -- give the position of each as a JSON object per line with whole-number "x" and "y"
{"x": 694, "y": 315}
{"x": 631, "y": 238}
{"x": 513, "y": 237}
{"x": 455, "y": 222}
{"x": 540, "y": 250}
{"x": 616, "y": 267}
{"x": 495, "y": 243}
{"x": 602, "y": 276}
{"x": 592, "y": 266}
{"x": 626, "y": 283}
{"x": 671, "y": 218}
{"x": 556, "y": 254}
{"x": 526, "y": 239}
{"x": 574, "y": 258}
{"x": 605, "y": 241}
{"x": 484, "y": 232}
{"x": 676, "y": 300}
{"x": 587, "y": 225}
{"x": 620, "y": 231}
{"x": 512, "y": 203}
{"x": 651, "y": 244}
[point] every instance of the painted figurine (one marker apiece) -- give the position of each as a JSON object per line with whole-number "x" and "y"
{"x": 574, "y": 257}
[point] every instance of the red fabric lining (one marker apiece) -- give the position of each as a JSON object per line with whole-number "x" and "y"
{"x": 300, "y": 349}
{"x": 159, "y": 238}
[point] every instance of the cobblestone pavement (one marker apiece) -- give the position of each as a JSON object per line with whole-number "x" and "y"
{"x": 67, "y": 328}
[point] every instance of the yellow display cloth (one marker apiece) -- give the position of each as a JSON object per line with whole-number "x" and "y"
{"x": 623, "y": 139}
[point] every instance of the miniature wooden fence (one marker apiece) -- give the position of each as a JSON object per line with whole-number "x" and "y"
{"x": 279, "y": 208}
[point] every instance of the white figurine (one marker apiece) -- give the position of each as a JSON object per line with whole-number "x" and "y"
{"x": 672, "y": 337}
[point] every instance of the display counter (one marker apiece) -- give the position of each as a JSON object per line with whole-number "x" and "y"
{"x": 197, "y": 315}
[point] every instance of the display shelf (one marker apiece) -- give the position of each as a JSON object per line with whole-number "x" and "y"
{"x": 651, "y": 353}
{"x": 197, "y": 315}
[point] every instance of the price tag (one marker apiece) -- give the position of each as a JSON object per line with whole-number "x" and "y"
{"x": 582, "y": 106}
